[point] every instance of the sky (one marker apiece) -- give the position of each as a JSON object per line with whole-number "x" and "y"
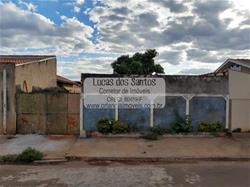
{"x": 191, "y": 36}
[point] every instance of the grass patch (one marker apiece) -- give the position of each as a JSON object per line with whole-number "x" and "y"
{"x": 107, "y": 126}
{"x": 30, "y": 155}
{"x": 159, "y": 130}
{"x": 210, "y": 127}
{"x": 155, "y": 133}
{"x": 151, "y": 136}
{"x": 237, "y": 130}
{"x": 8, "y": 158}
{"x": 181, "y": 124}
{"x": 27, "y": 156}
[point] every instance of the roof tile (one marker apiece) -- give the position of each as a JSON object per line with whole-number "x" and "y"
{"x": 21, "y": 59}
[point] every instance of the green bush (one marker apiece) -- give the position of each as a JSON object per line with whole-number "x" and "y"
{"x": 152, "y": 136}
{"x": 118, "y": 127}
{"x": 237, "y": 130}
{"x": 104, "y": 126}
{"x": 210, "y": 127}
{"x": 180, "y": 124}
{"x": 158, "y": 130}
{"x": 8, "y": 158}
{"x": 30, "y": 155}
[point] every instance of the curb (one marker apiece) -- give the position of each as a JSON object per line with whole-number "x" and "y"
{"x": 131, "y": 160}
{"x": 36, "y": 162}
{"x": 180, "y": 135}
{"x": 155, "y": 159}
{"x": 50, "y": 161}
{"x": 138, "y": 136}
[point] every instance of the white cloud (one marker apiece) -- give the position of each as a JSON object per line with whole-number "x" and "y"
{"x": 189, "y": 35}
{"x": 79, "y": 2}
{"x": 31, "y": 7}
{"x": 171, "y": 57}
{"x": 130, "y": 26}
{"x": 77, "y": 9}
{"x": 32, "y": 30}
{"x": 73, "y": 69}
{"x": 195, "y": 71}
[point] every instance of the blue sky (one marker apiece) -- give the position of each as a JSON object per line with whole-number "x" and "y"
{"x": 191, "y": 36}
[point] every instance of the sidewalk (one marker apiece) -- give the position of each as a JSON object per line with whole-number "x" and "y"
{"x": 51, "y": 146}
{"x": 130, "y": 148}
{"x": 202, "y": 147}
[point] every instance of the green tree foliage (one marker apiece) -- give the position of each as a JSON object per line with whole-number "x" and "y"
{"x": 138, "y": 64}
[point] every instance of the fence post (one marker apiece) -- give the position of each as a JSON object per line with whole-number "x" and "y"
{"x": 82, "y": 131}
{"x": 151, "y": 113}
{"x": 226, "y": 97}
{"x": 4, "y": 102}
{"x": 116, "y": 108}
{"x": 188, "y": 98}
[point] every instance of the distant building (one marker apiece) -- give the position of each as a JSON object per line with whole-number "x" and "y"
{"x": 69, "y": 85}
{"x": 32, "y": 72}
{"x": 239, "y": 65}
{"x": 238, "y": 71}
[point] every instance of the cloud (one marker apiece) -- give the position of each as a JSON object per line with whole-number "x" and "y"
{"x": 189, "y": 35}
{"x": 171, "y": 57}
{"x": 172, "y": 5}
{"x": 79, "y": 2}
{"x": 210, "y": 10}
{"x": 76, "y": 5}
{"x": 204, "y": 56}
{"x": 73, "y": 69}
{"x": 148, "y": 28}
{"x": 22, "y": 28}
{"x": 77, "y": 9}
{"x": 31, "y": 7}
{"x": 121, "y": 11}
{"x": 195, "y": 71}
{"x": 217, "y": 34}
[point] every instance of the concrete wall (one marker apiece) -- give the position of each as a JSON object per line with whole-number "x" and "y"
{"x": 186, "y": 84}
{"x": 239, "y": 93}
{"x": 92, "y": 115}
{"x": 196, "y": 84}
{"x": 202, "y": 109}
{"x": 208, "y": 103}
{"x": 11, "y": 109}
{"x": 41, "y": 74}
{"x": 137, "y": 119}
{"x": 207, "y": 109}
{"x": 163, "y": 117}
{"x": 48, "y": 113}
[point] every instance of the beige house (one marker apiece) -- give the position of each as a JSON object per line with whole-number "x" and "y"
{"x": 238, "y": 71}
{"x": 69, "y": 85}
{"x": 32, "y": 72}
{"x": 239, "y": 65}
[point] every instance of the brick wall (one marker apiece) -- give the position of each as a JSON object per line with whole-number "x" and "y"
{"x": 48, "y": 113}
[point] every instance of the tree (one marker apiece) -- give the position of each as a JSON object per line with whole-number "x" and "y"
{"x": 138, "y": 64}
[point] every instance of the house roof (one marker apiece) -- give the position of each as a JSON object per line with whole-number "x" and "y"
{"x": 64, "y": 80}
{"x": 24, "y": 59}
{"x": 229, "y": 62}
